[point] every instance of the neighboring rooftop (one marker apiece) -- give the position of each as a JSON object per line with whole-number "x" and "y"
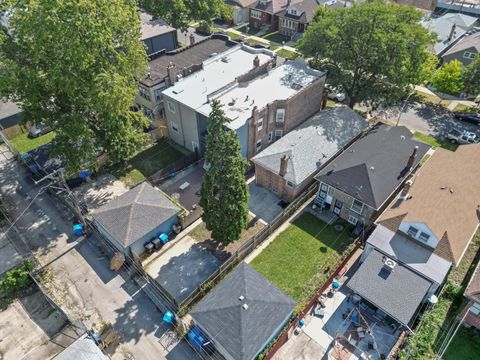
{"x": 185, "y": 58}
{"x": 410, "y": 253}
{"x": 273, "y": 6}
{"x": 443, "y": 27}
{"x": 375, "y": 165}
{"x": 243, "y": 326}
{"x": 218, "y": 72}
{"x": 151, "y": 28}
{"x": 135, "y": 213}
{"x": 9, "y": 113}
{"x": 312, "y": 143}
{"x": 287, "y": 80}
{"x": 473, "y": 288}
{"x": 84, "y": 348}
{"x": 306, "y": 10}
{"x": 445, "y": 196}
{"x": 468, "y": 42}
{"x": 399, "y": 293}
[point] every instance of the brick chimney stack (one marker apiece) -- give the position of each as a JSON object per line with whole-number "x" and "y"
{"x": 171, "y": 73}
{"x": 192, "y": 39}
{"x": 412, "y": 157}
{"x": 283, "y": 165}
{"x": 256, "y": 62}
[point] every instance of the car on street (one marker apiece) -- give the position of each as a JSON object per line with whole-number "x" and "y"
{"x": 462, "y": 137}
{"x": 468, "y": 117}
{"x": 38, "y": 130}
{"x": 335, "y": 94}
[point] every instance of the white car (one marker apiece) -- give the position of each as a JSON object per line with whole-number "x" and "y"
{"x": 334, "y": 94}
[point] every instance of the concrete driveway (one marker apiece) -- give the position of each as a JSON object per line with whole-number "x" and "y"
{"x": 183, "y": 268}
{"x": 263, "y": 203}
{"x": 428, "y": 119}
{"x": 78, "y": 275}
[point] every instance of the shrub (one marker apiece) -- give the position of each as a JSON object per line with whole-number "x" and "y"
{"x": 449, "y": 78}
{"x": 16, "y": 279}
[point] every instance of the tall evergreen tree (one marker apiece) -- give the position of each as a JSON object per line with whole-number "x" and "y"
{"x": 224, "y": 189}
{"x": 74, "y": 66}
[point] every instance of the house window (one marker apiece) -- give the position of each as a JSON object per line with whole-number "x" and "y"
{"x": 158, "y": 95}
{"x": 290, "y": 184}
{"x": 424, "y": 236}
{"x": 468, "y": 55}
{"x": 278, "y": 134}
{"x": 171, "y": 107}
{"x": 256, "y": 14}
{"x": 475, "y": 309}
{"x": 352, "y": 220}
{"x": 323, "y": 191}
{"x": 145, "y": 93}
{"x": 338, "y": 207}
{"x": 412, "y": 231}
{"x": 270, "y": 137}
{"x": 280, "y": 115}
{"x": 259, "y": 145}
{"x": 174, "y": 126}
{"x": 289, "y": 24}
{"x": 357, "y": 206}
{"x": 260, "y": 124}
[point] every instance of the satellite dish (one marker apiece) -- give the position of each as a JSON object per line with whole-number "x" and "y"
{"x": 433, "y": 299}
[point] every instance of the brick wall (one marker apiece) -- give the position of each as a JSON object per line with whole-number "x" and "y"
{"x": 254, "y": 22}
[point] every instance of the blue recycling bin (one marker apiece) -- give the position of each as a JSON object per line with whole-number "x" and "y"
{"x": 163, "y": 238}
{"x": 168, "y": 317}
{"x": 84, "y": 174}
{"x": 195, "y": 337}
{"x": 78, "y": 229}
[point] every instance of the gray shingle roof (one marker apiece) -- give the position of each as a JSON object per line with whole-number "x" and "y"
{"x": 398, "y": 293}
{"x": 410, "y": 253}
{"x": 243, "y": 332}
{"x": 84, "y": 348}
{"x": 136, "y": 213}
{"x": 375, "y": 165}
{"x": 312, "y": 144}
{"x": 468, "y": 42}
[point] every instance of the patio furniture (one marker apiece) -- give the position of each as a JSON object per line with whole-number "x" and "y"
{"x": 185, "y": 185}
{"x": 360, "y": 332}
{"x": 319, "y": 311}
{"x": 149, "y": 247}
{"x": 157, "y": 243}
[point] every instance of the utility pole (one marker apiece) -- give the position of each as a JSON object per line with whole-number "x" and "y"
{"x": 404, "y": 106}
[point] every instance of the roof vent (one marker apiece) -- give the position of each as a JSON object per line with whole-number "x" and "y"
{"x": 372, "y": 168}
{"x": 225, "y": 59}
{"x": 389, "y": 264}
{"x": 245, "y": 306}
{"x": 402, "y": 137}
{"x": 241, "y": 297}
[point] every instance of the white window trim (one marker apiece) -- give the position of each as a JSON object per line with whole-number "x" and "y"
{"x": 278, "y": 132}
{"x": 423, "y": 238}
{"x": 260, "y": 124}
{"x": 174, "y": 126}
{"x": 290, "y": 185}
{"x": 469, "y": 55}
{"x": 270, "y": 137}
{"x": 258, "y": 145}
{"x": 352, "y": 220}
{"x": 278, "y": 117}
{"x": 416, "y": 233}
{"x": 475, "y": 309}
{"x": 355, "y": 210}
{"x": 256, "y": 14}
{"x": 171, "y": 107}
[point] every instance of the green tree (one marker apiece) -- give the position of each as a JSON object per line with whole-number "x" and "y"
{"x": 471, "y": 77}
{"x": 449, "y": 78}
{"x": 224, "y": 190}
{"x": 74, "y": 66}
{"x": 179, "y": 13}
{"x": 372, "y": 51}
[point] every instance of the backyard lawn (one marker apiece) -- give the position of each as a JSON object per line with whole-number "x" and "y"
{"x": 148, "y": 162}
{"x": 465, "y": 345}
{"x": 251, "y": 30}
{"x": 287, "y": 54}
{"x": 303, "y": 256}
{"x": 435, "y": 142}
{"x": 234, "y": 36}
{"x": 275, "y": 37}
{"x": 23, "y": 144}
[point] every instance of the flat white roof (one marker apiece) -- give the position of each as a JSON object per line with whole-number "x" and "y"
{"x": 280, "y": 83}
{"x": 217, "y": 72}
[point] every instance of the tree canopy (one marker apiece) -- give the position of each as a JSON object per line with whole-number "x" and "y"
{"x": 224, "y": 190}
{"x": 449, "y": 78}
{"x": 372, "y": 51}
{"x": 74, "y": 66}
{"x": 179, "y": 13}
{"x": 471, "y": 77}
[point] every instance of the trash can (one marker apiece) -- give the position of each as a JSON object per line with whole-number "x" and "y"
{"x": 78, "y": 229}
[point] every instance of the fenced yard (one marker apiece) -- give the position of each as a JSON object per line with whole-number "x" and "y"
{"x": 148, "y": 162}
{"x": 302, "y": 257}
{"x": 23, "y": 144}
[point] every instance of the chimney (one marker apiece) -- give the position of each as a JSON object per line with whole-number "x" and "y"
{"x": 171, "y": 73}
{"x": 283, "y": 165}
{"x": 452, "y": 32}
{"x": 412, "y": 157}
{"x": 192, "y": 39}
{"x": 256, "y": 62}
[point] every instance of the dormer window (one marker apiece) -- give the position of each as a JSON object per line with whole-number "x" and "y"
{"x": 292, "y": 12}
{"x": 412, "y": 231}
{"x": 424, "y": 236}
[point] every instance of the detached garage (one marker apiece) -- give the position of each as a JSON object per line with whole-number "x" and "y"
{"x": 134, "y": 218}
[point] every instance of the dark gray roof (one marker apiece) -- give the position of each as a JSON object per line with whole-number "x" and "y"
{"x": 136, "y": 213}
{"x": 375, "y": 165}
{"x": 307, "y": 9}
{"x": 410, "y": 253}
{"x": 84, "y": 348}
{"x": 468, "y": 42}
{"x": 185, "y": 58}
{"x": 313, "y": 143}
{"x": 10, "y": 113}
{"x": 243, "y": 332}
{"x": 398, "y": 293}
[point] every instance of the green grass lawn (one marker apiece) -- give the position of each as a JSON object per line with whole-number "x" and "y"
{"x": 251, "y": 30}
{"x": 303, "y": 256}
{"x": 234, "y": 36}
{"x": 435, "y": 142}
{"x": 287, "y": 54}
{"x": 23, "y": 144}
{"x": 465, "y": 345}
{"x": 148, "y": 162}
{"x": 275, "y": 37}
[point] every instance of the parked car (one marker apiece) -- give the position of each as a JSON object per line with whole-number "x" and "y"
{"x": 468, "y": 117}
{"x": 462, "y": 137}
{"x": 335, "y": 94}
{"x": 38, "y": 130}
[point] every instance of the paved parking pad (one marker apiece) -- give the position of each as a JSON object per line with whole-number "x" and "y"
{"x": 263, "y": 203}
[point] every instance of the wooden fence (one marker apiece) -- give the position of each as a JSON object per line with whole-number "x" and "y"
{"x": 181, "y": 164}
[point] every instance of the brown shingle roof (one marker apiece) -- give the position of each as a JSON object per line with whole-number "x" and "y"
{"x": 445, "y": 196}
